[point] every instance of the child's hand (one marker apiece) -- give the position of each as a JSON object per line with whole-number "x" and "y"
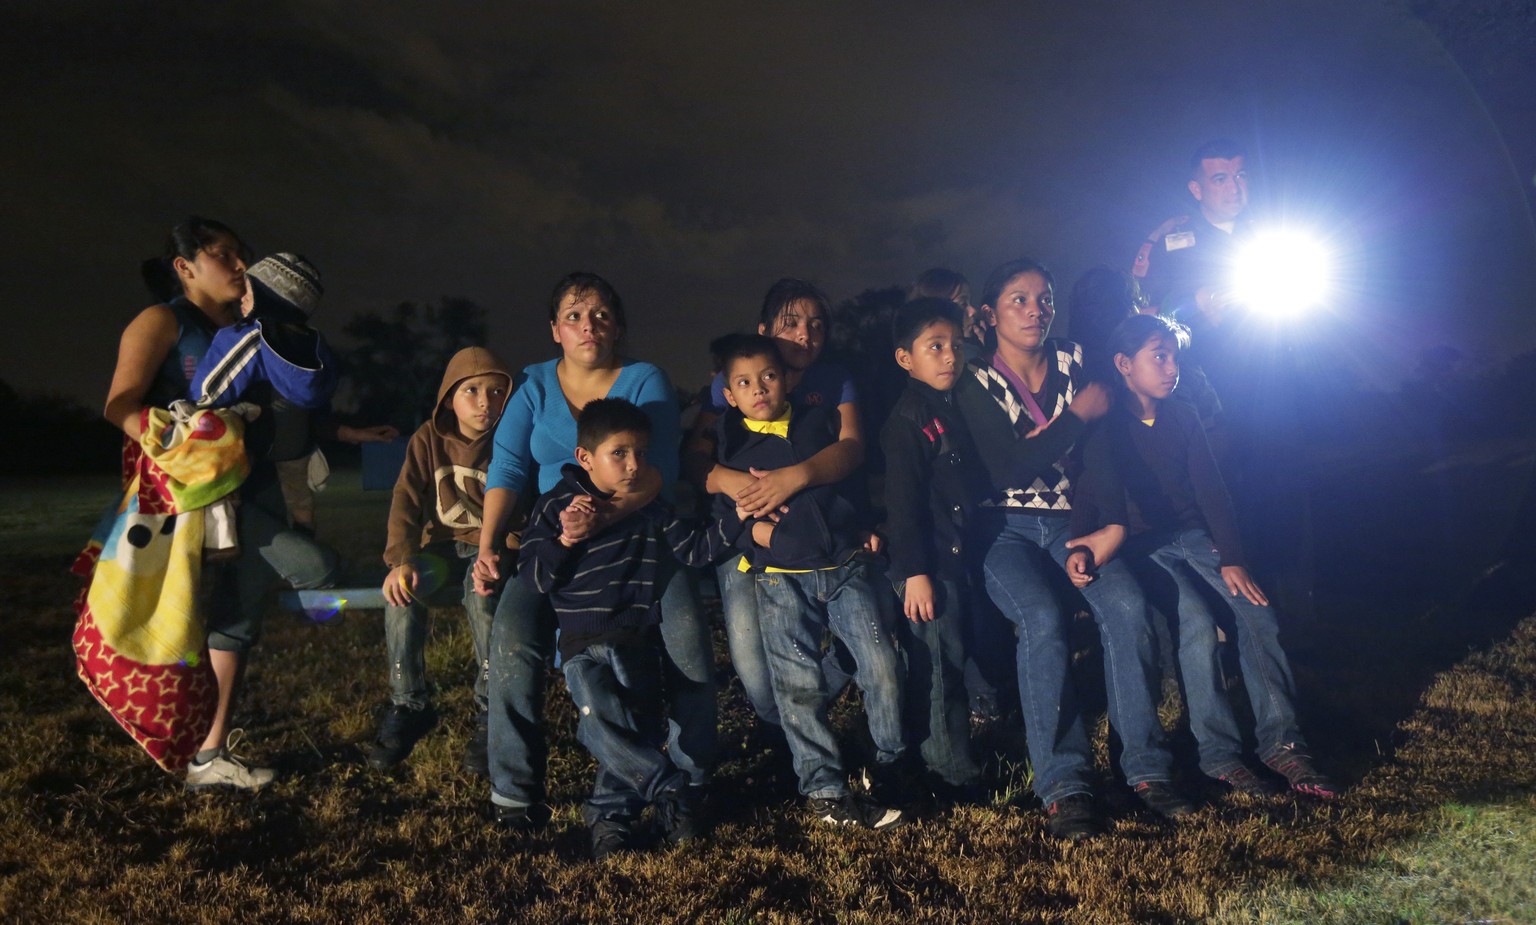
{"x": 1102, "y": 543}
{"x": 1240, "y": 582}
{"x": 1080, "y": 566}
{"x": 771, "y": 489}
{"x": 400, "y": 585}
{"x": 918, "y": 600}
{"x": 577, "y": 519}
{"x": 873, "y": 543}
{"x": 486, "y": 572}
{"x": 762, "y": 534}
{"x": 1091, "y": 401}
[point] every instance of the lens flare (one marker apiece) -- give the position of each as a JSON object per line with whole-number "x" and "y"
{"x": 325, "y": 609}
{"x": 431, "y": 574}
{"x": 1281, "y": 272}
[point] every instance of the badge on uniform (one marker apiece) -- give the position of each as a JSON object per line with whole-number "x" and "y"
{"x": 1179, "y": 241}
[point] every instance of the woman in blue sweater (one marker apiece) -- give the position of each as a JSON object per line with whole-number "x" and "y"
{"x": 538, "y": 431}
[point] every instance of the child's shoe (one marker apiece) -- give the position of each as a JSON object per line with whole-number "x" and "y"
{"x": 852, "y": 809}
{"x": 520, "y": 818}
{"x": 609, "y": 837}
{"x": 682, "y": 815}
{"x": 1161, "y": 797}
{"x": 1299, "y": 772}
{"x": 1242, "y": 779}
{"x": 477, "y": 751}
{"x": 1073, "y": 818}
{"x": 399, "y": 730}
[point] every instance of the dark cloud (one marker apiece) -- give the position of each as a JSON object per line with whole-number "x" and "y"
{"x": 694, "y": 152}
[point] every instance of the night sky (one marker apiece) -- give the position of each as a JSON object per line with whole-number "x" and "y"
{"x": 692, "y": 153}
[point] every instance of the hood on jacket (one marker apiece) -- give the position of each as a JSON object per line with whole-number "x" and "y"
{"x": 467, "y": 363}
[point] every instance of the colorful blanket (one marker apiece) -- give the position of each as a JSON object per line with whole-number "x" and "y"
{"x": 140, "y": 642}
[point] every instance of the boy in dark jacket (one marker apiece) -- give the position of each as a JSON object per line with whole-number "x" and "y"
{"x": 933, "y": 482}
{"x": 811, "y": 579}
{"x": 605, "y": 588}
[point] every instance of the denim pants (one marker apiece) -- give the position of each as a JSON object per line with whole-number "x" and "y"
{"x": 796, "y": 609}
{"x": 405, "y": 631}
{"x": 617, "y": 692}
{"x": 1189, "y": 563}
{"x": 1019, "y": 569}
{"x": 522, "y": 647}
{"x": 938, "y": 715}
{"x": 744, "y": 640}
{"x": 268, "y": 545}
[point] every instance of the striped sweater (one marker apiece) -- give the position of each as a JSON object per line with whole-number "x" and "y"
{"x": 611, "y": 583}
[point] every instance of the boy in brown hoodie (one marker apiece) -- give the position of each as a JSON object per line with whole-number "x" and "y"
{"x": 434, "y": 527}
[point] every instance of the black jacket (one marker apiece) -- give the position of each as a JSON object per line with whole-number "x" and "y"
{"x": 934, "y": 480}
{"x": 821, "y": 527}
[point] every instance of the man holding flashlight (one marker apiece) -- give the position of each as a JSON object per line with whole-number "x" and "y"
{"x": 1183, "y": 265}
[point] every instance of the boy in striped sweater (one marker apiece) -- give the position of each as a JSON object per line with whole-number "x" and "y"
{"x": 604, "y": 587}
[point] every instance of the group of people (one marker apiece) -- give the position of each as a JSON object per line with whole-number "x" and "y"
{"x": 1027, "y": 476}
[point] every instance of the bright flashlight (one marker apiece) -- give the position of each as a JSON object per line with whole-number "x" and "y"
{"x": 1282, "y": 272}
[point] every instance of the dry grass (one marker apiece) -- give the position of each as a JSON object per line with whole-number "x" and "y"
{"x": 91, "y": 832}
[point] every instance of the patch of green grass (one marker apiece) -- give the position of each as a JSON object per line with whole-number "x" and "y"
{"x": 1476, "y": 865}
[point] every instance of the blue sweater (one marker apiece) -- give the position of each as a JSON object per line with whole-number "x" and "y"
{"x": 537, "y": 429}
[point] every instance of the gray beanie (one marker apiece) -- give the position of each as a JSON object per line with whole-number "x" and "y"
{"x": 289, "y": 278}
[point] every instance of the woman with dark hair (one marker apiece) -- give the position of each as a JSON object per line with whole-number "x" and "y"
{"x": 795, "y": 313}
{"x": 202, "y": 277}
{"x": 1026, "y": 405}
{"x": 537, "y": 431}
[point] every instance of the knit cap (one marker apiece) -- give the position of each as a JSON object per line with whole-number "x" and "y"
{"x": 289, "y": 278}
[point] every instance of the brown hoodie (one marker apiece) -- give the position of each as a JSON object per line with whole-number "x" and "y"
{"x": 441, "y": 490}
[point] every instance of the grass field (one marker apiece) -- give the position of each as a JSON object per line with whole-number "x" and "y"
{"x": 1428, "y": 709}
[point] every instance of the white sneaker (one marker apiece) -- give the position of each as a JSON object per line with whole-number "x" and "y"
{"x": 225, "y": 770}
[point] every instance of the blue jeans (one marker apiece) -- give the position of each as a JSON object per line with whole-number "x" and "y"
{"x": 744, "y": 640}
{"x": 1018, "y": 571}
{"x": 617, "y": 692}
{"x": 522, "y": 646}
{"x": 405, "y": 632}
{"x": 268, "y": 545}
{"x": 744, "y": 637}
{"x": 938, "y": 715}
{"x": 1189, "y": 563}
{"x": 796, "y": 609}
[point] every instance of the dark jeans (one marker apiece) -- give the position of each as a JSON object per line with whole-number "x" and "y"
{"x": 796, "y": 609}
{"x": 405, "y": 630}
{"x": 522, "y": 646}
{"x": 617, "y": 692}
{"x": 937, "y": 715}
{"x": 1017, "y": 567}
{"x": 1187, "y": 568}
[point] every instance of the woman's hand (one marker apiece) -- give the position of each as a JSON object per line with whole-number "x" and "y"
{"x": 1091, "y": 402}
{"x": 379, "y": 433}
{"x": 771, "y": 489}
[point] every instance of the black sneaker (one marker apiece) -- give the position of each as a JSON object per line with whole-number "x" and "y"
{"x": 1298, "y": 770}
{"x": 609, "y": 837}
{"x": 1160, "y": 797}
{"x": 399, "y": 730}
{"x": 681, "y": 815}
{"x": 477, "y": 751}
{"x": 520, "y": 818}
{"x": 1243, "y": 779}
{"x": 897, "y": 783}
{"x": 1073, "y": 818}
{"x": 852, "y": 809}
